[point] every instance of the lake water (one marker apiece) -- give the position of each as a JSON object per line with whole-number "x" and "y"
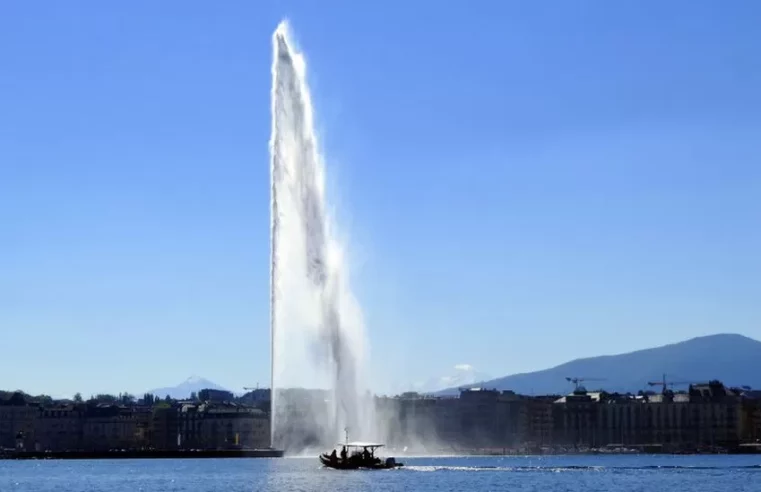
{"x": 557, "y": 473}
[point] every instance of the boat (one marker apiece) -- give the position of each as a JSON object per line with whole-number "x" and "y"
{"x": 359, "y": 455}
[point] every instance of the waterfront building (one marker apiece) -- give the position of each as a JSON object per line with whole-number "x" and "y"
{"x": 708, "y": 415}
{"x": 17, "y": 418}
{"x": 165, "y": 427}
{"x": 222, "y": 426}
{"x": 751, "y": 416}
{"x": 59, "y": 427}
{"x": 540, "y": 424}
{"x": 107, "y": 427}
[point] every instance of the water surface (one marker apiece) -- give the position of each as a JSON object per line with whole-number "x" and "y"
{"x": 557, "y": 473}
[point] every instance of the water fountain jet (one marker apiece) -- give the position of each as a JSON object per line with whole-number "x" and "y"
{"x": 316, "y": 324}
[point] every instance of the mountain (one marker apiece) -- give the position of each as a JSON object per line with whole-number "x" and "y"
{"x": 733, "y": 359}
{"x": 461, "y": 375}
{"x": 184, "y": 389}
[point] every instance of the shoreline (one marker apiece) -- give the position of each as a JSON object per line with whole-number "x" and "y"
{"x": 275, "y": 453}
{"x": 652, "y": 450}
{"x": 142, "y": 454}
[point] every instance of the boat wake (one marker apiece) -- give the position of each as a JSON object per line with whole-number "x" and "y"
{"x": 437, "y": 468}
{"x": 570, "y": 468}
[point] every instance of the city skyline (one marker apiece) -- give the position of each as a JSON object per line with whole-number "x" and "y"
{"x": 524, "y": 187}
{"x": 707, "y": 418}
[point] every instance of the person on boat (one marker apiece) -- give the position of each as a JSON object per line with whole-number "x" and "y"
{"x": 333, "y": 457}
{"x": 343, "y": 453}
{"x": 366, "y": 456}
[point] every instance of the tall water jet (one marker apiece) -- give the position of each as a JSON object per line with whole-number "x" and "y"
{"x": 316, "y": 325}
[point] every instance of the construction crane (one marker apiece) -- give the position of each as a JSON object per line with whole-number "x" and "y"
{"x": 665, "y": 383}
{"x": 576, "y": 382}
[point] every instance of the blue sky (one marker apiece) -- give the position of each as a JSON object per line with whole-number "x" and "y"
{"x": 522, "y": 182}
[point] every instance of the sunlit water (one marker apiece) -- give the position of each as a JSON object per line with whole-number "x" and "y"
{"x": 561, "y": 473}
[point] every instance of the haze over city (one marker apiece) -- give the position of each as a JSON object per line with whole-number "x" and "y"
{"x": 565, "y": 196}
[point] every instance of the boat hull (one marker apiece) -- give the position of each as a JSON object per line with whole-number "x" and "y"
{"x": 352, "y": 465}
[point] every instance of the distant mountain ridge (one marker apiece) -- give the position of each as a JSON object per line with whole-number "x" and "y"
{"x": 733, "y": 359}
{"x": 460, "y": 375}
{"x": 193, "y": 384}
